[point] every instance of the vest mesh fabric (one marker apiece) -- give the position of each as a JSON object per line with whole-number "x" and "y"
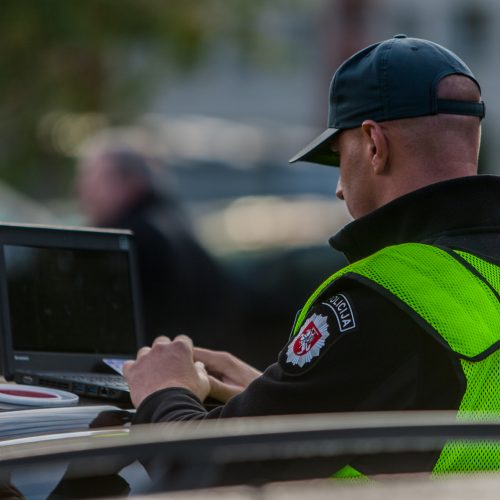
{"x": 483, "y": 394}
{"x": 349, "y": 473}
{"x": 480, "y": 402}
{"x": 459, "y": 307}
{"x": 484, "y": 268}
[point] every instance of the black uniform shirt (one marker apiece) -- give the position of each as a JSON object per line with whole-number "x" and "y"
{"x": 368, "y": 354}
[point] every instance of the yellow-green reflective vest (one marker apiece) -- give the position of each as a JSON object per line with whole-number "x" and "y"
{"x": 454, "y": 295}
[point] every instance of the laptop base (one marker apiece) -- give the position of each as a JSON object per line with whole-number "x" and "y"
{"x": 92, "y": 385}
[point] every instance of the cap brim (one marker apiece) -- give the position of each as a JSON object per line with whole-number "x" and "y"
{"x": 319, "y": 150}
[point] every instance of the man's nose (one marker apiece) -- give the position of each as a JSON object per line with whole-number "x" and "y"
{"x": 339, "y": 193}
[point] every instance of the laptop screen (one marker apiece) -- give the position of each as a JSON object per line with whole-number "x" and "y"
{"x": 69, "y": 300}
{"x": 69, "y": 297}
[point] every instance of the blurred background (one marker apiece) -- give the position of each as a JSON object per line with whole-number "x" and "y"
{"x": 217, "y": 95}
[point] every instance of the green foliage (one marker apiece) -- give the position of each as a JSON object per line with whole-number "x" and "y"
{"x": 95, "y": 56}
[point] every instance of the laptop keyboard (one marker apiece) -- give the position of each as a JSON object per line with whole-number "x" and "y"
{"x": 111, "y": 381}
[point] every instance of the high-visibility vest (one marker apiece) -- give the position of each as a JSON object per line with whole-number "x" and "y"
{"x": 455, "y": 297}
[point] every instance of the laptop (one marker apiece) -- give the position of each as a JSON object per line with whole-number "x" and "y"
{"x": 70, "y": 308}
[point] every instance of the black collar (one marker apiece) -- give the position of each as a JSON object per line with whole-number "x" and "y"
{"x": 465, "y": 203}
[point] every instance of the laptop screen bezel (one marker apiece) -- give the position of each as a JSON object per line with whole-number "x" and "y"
{"x": 64, "y": 237}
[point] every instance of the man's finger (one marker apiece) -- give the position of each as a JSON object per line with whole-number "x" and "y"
{"x": 221, "y": 391}
{"x": 142, "y": 351}
{"x": 203, "y": 355}
{"x": 214, "y": 360}
{"x": 127, "y": 365}
{"x": 185, "y": 339}
{"x": 200, "y": 368}
{"x": 162, "y": 339}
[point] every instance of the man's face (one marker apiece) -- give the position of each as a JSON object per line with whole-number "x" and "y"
{"x": 355, "y": 184}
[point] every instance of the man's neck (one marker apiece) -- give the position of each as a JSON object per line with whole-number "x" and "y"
{"x": 417, "y": 177}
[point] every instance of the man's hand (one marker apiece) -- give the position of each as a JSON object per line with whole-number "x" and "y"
{"x": 228, "y": 375}
{"x": 166, "y": 364}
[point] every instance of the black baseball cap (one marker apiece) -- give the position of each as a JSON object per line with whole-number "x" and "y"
{"x": 393, "y": 79}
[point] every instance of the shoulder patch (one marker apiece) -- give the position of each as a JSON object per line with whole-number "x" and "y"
{"x": 307, "y": 344}
{"x": 328, "y": 322}
{"x": 343, "y": 312}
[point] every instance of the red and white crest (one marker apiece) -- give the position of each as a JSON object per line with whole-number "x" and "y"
{"x": 308, "y": 343}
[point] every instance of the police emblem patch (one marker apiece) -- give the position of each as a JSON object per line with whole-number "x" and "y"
{"x": 309, "y": 341}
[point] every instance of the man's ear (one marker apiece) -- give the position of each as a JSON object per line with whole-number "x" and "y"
{"x": 378, "y": 146}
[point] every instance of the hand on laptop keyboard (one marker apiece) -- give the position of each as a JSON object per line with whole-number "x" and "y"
{"x": 166, "y": 364}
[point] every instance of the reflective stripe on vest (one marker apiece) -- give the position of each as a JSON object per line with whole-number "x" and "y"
{"x": 455, "y": 297}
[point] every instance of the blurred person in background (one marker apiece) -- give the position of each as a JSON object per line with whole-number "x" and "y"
{"x": 182, "y": 285}
{"x": 413, "y": 323}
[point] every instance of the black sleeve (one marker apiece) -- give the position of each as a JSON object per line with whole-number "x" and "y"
{"x": 356, "y": 351}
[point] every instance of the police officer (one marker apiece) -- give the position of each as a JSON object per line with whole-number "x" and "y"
{"x": 413, "y": 323}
